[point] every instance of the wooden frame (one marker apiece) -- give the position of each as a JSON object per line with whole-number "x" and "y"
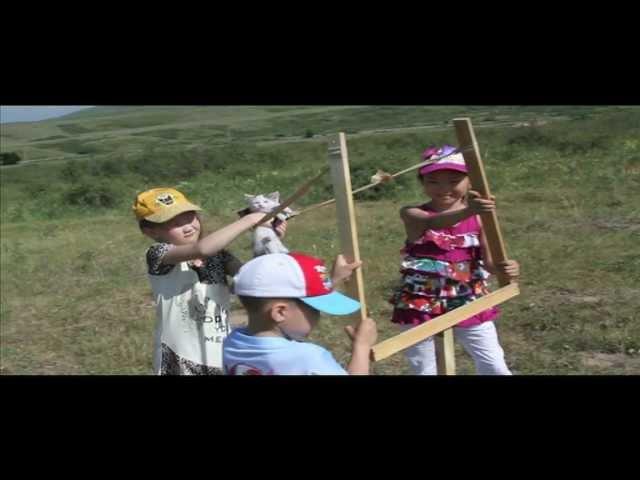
{"x": 347, "y": 228}
{"x": 440, "y": 326}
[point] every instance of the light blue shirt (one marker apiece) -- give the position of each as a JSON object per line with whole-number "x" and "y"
{"x": 244, "y": 354}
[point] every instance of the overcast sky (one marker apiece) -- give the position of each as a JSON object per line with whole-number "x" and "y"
{"x": 17, "y": 113}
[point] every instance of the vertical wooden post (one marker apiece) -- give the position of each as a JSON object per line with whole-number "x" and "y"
{"x": 345, "y": 212}
{"x": 467, "y": 138}
{"x": 445, "y": 352}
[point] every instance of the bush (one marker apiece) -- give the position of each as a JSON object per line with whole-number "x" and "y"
{"x": 73, "y": 170}
{"x": 190, "y": 165}
{"x": 92, "y": 194}
{"x": 78, "y": 147}
{"x": 528, "y": 137}
{"x": 111, "y": 167}
{"x": 169, "y": 166}
{"x": 38, "y": 188}
{"x": 9, "y": 158}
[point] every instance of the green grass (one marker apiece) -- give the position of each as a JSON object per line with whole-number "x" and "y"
{"x": 75, "y": 298}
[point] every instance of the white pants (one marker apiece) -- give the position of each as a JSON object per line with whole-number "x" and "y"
{"x": 480, "y": 341}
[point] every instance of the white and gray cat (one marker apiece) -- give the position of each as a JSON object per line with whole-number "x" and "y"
{"x": 265, "y": 239}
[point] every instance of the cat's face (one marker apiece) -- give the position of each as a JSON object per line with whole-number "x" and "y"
{"x": 263, "y": 203}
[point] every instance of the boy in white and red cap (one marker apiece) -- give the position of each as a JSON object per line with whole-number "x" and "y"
{"x": 284, "y": 295}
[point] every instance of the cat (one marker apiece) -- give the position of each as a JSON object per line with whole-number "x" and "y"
{"x": 265, "y": 239}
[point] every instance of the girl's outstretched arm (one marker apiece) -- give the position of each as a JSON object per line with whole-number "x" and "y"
{"x": 416, "y": 220}
{"x": 212, "y": 243}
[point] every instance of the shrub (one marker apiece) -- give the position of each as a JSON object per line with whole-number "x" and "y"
{"x": 111, "y": 167}
{"x": 100, "y": 194}
{"x": 73, "y": 170}
{"x": 9, "y": 158}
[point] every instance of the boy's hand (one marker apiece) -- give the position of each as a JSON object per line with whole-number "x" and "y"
{"x": 281, "y": 228}
{"x": 478, "y": 204}
{"x": 342, "y": 270}
{"x": 365, "y": 334}
{"x": 509, "y": 268}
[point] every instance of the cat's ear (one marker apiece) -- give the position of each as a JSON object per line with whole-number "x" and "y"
{"x": 247, "y": 197}
{"x": 275, "y": 196}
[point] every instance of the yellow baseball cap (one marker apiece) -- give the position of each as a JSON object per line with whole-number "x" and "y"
{"x": 160, "y": 205}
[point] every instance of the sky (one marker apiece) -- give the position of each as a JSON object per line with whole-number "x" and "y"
{"x": 32, "y": 113}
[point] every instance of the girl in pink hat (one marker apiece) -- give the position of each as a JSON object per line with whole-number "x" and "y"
{"x": 446, "y": 264}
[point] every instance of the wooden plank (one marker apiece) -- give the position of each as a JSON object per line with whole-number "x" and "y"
{"x": 445, "y": 352}
{"x": 367, "y": 187}
{"x": 410, "y": 337}
{"x": 467, "y": 138}
{"x": 345, "y": 212}
{"x": 297, "y": 195}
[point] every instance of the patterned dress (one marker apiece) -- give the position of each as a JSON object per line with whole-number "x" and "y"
{"x": 442, "y": 270}
{"x": 192, "y": 313}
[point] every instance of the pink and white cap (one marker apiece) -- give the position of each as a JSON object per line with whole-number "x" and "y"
{"x": 292, "y": 275}
{"x": 444, "y": 158}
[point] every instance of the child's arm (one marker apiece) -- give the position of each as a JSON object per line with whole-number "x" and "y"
{"x": 364, "y": 337}
{"x": 509, "y": 268}
{"x": 365, "y": 334}
{"x": 212, "y": 243}
{"x": 416, "y": 220}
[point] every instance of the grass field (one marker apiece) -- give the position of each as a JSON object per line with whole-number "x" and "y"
{"x": 74, "y": 294}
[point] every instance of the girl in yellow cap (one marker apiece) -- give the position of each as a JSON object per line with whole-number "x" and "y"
{"x": 188, "y": 278}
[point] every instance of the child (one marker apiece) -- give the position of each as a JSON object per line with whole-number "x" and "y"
{"x": 284, "y": 295}
{"x": 446, "y": 263}
{"x": 187, "y": 275}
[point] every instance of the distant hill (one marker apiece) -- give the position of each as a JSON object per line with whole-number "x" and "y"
{"x": 106, "y": 130}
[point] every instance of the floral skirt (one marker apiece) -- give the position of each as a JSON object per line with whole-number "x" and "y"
{"x": 431, "y": 288}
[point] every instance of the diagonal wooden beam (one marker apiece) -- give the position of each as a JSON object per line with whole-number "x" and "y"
{"x": 298, "y": 194}
{"x": 466, "y": 137}
{"x": 392, "y": 345}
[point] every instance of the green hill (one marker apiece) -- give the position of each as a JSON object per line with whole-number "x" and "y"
{"x": 101, "y": 131}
